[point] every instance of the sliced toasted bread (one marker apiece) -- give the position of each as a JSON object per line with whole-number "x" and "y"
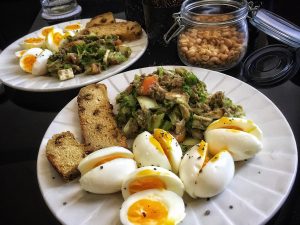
{"x": 64, "y": 152}
{"x": 98, "y": 125}
{"x": 127, "y": 31}
{"x": 105, "y": 18}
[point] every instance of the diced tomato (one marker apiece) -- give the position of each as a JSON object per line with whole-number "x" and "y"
{"x": 147, "y": 83}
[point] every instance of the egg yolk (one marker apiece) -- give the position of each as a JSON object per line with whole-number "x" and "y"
{"x": 46, "y": 31}
{"x": 156, "y": 144}
{"x": 109, "y": 158}
{"x": 147, "y": 172}
{"x": 226, "y": 122}
{"x": 72, "y": 27}
{"x": 57, "y": 37}
{"x": 201, "y": 148}
{"x": 149, "y": 212}
{"x": 165, "y": 140}
{"x": 145, "y": 183}
{"x": 28, "y": 62}
{"x": 34, "y": 40}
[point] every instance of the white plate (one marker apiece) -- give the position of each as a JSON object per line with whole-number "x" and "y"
{"x": 257, "y": 191}
{"x": 12, "y": 75}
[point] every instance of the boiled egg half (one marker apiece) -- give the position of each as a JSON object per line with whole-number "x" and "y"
{"x": 151, "y": 177}
{"x": 103, "y": 171}
{"x": 205, "y": 176}
{"x": 55, "y": 39}
{"x": 73, "y": 28}
{"x": 160, "y": 149}
{"x": 33, "y": 42}
{"x": 153, "y": 206}
{"x": 34, "y": 61}
{"x": 43, "y": 32}
{"x": 241, "y": 137}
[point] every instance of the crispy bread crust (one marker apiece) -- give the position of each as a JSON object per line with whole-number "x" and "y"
{"x": 105, "y": 18}
{"x": 127, "y": 31}
{"x": 64, "y": 152}
{"x": 98, "y": 125}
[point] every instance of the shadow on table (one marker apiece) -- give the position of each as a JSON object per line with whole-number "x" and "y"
{"x": 40, "y": 101}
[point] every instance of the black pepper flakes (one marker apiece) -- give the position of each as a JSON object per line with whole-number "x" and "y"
{"x": 207, "y": 199}
{"x": 199, "y": 158}
{"x": 53, "y": 178}
{"x": 259, "y": 172}
{"x": 231, "y": 207}
{"x": 207, "y": 212}
{"x": 101, "y": 167}
{"x": 64, "y": 203}
{"x": 144, "y": 214}
{"x": 154, "y": 168}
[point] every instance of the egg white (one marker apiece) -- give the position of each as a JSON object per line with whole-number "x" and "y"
{"x": 147, "y": 151}
{"x": 92, "y": 159}
{"x": 43, "y": 32}
{"x": 240, "y": 144}
{"x": 171, "y": 147}
{"x": 108, "y": 177}
{"x": 55, "y": 39}
{"x": 40, "y": 66}
{"x": 241, "y": 124}
{"x": 208, "y": 179}
{"x": 103, "y": 171}
{"x": 215, "y": 175}
{"x": 33, "y": 42}
{"x": 191, "y": 165}
{"x": 32, "y": 54}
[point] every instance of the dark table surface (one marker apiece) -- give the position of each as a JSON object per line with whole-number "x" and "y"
{"x": 25, "y": 116}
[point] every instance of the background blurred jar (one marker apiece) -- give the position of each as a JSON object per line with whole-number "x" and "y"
{"x": 213, "y": 33}
{"x": 58, "y": 7}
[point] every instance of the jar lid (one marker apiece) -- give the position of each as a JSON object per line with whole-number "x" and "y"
{"x": 271, "y": 65}
{"x": 276, "y": 26}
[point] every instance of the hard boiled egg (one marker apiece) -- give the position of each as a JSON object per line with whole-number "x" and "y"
{"x": 33, "y": 42}
{"x": 73, "y": 28}
{"x": 241, "y": 137}
{"x": 20, "y": 53}
{"x": 43, "y": 32}
{"x": 160, "y": 149}
{"x": 103, "y": 171}
{"x": 203, "y": 176}
{"x": 55, "y": 39}
{"x": 29, "y": 58}
{"x": 40, "y": 66}
{"x": 153, "y": 206}
{"x": 151, "y": 177}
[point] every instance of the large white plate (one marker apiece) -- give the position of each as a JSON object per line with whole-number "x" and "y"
{"x": 12, "y": 75}
{"x": 257, "y": 191}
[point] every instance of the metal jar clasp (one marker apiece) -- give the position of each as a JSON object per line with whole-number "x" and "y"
{"x": 175, "y": 32}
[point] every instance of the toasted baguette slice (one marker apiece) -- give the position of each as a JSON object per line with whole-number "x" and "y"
{"x": 127, "y": 31}
{"x": 105, "y": 18}
{"x": 64, "y": 152}
{"x": 98, "y": 125}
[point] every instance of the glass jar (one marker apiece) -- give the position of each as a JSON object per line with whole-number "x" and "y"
{"x": 212, "y": 34}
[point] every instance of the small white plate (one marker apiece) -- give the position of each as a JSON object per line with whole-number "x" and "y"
{"x": 12, "y": 75}
{"x": 259, "y": 187}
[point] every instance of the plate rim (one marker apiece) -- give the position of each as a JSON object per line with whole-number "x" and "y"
{"x": 294, "y": 144}
{"x": 123, "y": 66}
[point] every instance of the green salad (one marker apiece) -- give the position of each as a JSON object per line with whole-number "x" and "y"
{"x": 88, "y": 54}
{"x": 173, "y": 100}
